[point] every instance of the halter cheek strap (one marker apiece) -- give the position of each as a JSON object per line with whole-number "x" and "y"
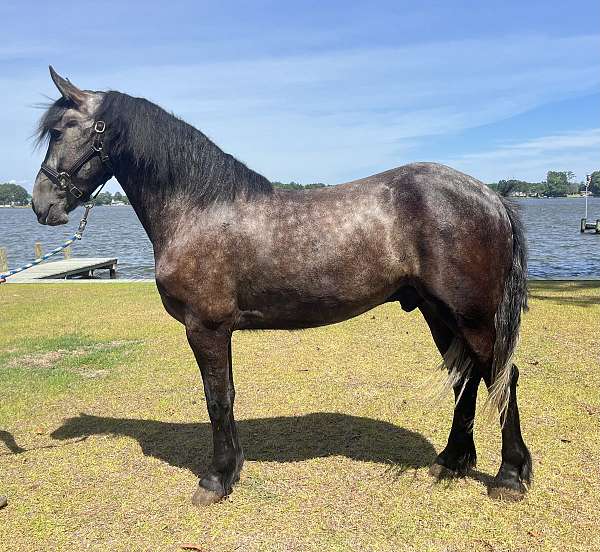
{"x": 63, "y": 179}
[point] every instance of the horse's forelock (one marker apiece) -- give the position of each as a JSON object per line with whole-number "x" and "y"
{"x": 51, "y": 117}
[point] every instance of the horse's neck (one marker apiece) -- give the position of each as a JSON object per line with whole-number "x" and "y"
{"x": 161, "y": 207}
{"x": 155, "y": 209}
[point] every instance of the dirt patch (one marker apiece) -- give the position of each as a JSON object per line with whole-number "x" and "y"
{"x": 39, "y": 360}
{"x": 49, "y": 359}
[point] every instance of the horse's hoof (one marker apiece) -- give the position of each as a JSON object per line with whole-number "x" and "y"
{"x": 509, "y": 494}
{"x": 204, "y": 497}
{"x": 441, "y": 472}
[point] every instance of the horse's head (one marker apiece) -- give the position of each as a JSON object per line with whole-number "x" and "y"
{"x": 76, "y": 163}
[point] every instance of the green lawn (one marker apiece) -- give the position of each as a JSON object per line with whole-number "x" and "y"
{"x": 103, "y": 431}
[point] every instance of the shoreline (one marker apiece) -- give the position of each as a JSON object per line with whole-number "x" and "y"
{"x": 511, "y": 197}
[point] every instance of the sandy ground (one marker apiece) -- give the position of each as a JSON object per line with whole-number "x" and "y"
{"x": 103, "y": 431}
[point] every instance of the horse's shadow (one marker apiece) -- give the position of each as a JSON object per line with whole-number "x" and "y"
{"x": 9, "y": 441}
{"x": 280, "y": 439}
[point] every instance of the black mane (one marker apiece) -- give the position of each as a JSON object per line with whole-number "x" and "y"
{"x": 168, "y": 153}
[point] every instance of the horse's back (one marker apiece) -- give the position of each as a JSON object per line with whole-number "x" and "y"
{"x": 430, "y": 182}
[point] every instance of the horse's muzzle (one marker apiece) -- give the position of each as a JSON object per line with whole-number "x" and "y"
{"x": 53, "y": 215}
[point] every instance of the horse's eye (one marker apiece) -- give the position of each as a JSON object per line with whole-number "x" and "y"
{"x": 55, "y": 134}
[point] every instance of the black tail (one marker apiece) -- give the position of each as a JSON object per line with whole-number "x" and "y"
{"x": 508, "y": 314}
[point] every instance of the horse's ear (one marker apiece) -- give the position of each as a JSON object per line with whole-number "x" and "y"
{"x": 68, "y": 90}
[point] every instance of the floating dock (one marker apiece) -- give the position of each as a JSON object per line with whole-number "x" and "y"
{"x": 83, "y": 267}
{"x": 585, "y": 225}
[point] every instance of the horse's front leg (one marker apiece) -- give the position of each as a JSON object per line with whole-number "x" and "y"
{"x": 212, "y": 349}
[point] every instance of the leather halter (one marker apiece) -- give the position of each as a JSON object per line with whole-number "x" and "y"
{"x": 63, "y": 178}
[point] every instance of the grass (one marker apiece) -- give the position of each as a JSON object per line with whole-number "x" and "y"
{"x": 103, "y": 431}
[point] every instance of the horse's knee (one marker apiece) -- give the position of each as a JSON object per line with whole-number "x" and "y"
{"x": 220, "y": 409}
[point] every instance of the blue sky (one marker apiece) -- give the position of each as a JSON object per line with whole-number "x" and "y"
{"x": 326, "y": 91}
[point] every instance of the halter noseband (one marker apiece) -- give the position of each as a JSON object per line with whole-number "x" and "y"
{"x": 63, "y": 178}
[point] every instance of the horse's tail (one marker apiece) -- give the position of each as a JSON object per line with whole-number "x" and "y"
{"x": 508, "y": 315}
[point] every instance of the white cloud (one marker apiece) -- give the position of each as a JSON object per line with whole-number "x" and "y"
{"x": 329, "y": 116}
{"x": 578, "y": 151}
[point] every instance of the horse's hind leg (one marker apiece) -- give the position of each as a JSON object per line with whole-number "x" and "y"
{"x": 515, "y": 474}
{"x": 459, "y": 455}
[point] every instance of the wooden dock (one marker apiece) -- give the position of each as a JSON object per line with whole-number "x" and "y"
{"x": 75, "y": 266}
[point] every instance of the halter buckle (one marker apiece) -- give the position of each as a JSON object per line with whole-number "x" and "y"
{"x": 64, "y": 178}
{"x": 99, "y": 127}
{"x": 75, "y": 191}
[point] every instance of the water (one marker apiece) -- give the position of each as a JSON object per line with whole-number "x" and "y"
{"x": 556, "y": 247}
{"x": 111, "y": 232}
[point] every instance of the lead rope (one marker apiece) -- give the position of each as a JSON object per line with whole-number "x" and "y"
{"x": 76, "y": 237}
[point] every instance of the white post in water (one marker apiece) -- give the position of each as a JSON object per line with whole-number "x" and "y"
{"x": 588, "y": 178}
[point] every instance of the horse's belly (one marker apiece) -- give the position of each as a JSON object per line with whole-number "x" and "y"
{"x": 292, "y": 311}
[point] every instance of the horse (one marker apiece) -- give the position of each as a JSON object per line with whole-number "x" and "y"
{"x": 234, "y": 253}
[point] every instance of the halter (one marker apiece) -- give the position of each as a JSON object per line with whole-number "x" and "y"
{"x": 63, "y": 178}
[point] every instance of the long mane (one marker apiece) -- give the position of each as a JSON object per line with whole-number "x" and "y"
{"x": 167, "y": 153}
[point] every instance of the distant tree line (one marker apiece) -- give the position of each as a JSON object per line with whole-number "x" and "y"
{"x": 295, "y": 186}
{"x": 13, "y": 194}
{"x": 557, "y": 184}
{"x": 106, "y": 198}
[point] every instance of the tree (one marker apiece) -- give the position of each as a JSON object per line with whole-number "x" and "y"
{"x": 537, "y": 188}
{"x": 573, "y": 187}
{"x": 557, "y": 184}
{"x": 595, "y": 183}
{"x": 13, "y": 194}
{"x": 315, "y": 185}
{"x": 104, "y": 198}
{"x": 118, "y": 197}
{"x": 506, "y": 187}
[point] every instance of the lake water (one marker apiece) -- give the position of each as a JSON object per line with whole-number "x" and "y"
{"x": 556, "y": 247}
